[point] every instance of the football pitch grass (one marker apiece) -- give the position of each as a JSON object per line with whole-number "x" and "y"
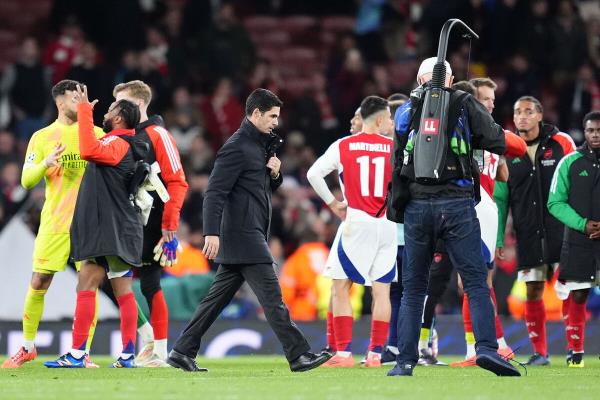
{"x": 268, "y": 377}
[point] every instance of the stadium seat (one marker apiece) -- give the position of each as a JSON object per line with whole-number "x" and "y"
{"x": 338, "y": 24}
{"x": 303, "y": 29}
{"x": 295, "y": 87}
{"x": 271, "y": 54}
{"x": 261, "y": 23}
{"x": 275, "y": 39}
{"x": 402, "y": 74}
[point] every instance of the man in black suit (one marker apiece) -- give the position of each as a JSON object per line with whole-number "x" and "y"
{"x": 237, "y": 218}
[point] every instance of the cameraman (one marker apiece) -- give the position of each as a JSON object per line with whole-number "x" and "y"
{"x": 443, "y": 210}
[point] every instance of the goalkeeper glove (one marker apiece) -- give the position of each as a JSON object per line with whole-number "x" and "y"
{"x": 166, "y": 252}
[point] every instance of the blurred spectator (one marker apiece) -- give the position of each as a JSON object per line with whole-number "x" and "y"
{"x": 27, "y": 85}
{"x": 593, "y": 32}
{"x": 337, "y": 55}
{"x": 201, "y": 156}
{"x": 157, "y": 48}
{"x": 569, "y": 43}
{"x": 225, "y": 48}
{"x": 382, "y": 80}
{"x": 10, "y": 185}
{"x": 368, "y": 30}
{"x": 222, "y": 113}
{"x": 299, "y": 276}
{"x": 577, "y": 99}
{"x": 89, "y": 69}
{"x": 177, "y": 52}
{"x": 61, "y": 52}
{"x": 328, "y": 118}
{"x": 522, "y": 81}
{"x": 348, "y": 85}
{"x": 128, "y": 66}
{"x": 265, "y": 76}
{"x": 8, "y": 149}
{"x": 191, "y": 212}
{"x": 147, "y": 71}
{"x": 291, "y": 158}
{"x": 305, "y": 116}
{"x": 183, "y": 120}
{"x": 190, "y": 260}
{"x": 506, "y": 15}
{"x": 534, "y": 37}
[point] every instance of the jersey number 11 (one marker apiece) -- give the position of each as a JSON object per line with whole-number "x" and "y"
{"x": 365, "y": 175}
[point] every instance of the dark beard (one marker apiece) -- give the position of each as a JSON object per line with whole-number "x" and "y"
{"x": 72, "y": 115}
{"x": 107, "y": 126}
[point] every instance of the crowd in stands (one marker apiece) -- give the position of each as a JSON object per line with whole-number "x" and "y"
{"x": 202, "y": 58}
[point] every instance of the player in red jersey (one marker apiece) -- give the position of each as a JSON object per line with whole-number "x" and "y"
{"x": 163, "y": 221}
{"x": 492, "y": 168}
{"x": 367, "y": 246}
{"x": 355, "y": 127}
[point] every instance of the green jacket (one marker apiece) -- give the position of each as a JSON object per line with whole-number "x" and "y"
{"x": 574, "y": 198}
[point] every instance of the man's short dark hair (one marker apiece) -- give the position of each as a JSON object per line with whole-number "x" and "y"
{"x": 465, "y": 86}
{"x": 591, "y": 116}
{"x": 372, "y": 105}
{"x": 396, "y": 100}
{"x": 262, "y": 99}
{"x": 61, "y": 87}
{"x": 483, "y": 82}
{"x": 531, "y": 99}
{"x": 130, "y": 113}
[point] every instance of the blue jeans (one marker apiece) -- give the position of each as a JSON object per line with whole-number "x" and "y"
{"x": 395, "y": 299}
{"x": 455, "y": 221}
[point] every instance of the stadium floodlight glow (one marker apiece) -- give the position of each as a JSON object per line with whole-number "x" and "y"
{"x": 431, "y": 140}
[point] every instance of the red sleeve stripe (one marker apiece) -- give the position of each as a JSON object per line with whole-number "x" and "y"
{"x": 566, "y": 142}
{"x": 171, "y": 153}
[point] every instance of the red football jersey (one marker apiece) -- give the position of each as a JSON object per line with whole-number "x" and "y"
{"x": 488, "y": 166}
{"x": 365, "y": 170}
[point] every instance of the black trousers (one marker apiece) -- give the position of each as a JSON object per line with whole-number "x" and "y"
{"x": 264, "y": 283}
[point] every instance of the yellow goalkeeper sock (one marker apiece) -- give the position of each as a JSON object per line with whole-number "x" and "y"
{"x": 32, "y": 314}
{"x": 88, "y": 344}
{"x": 470, "y": 338}
{"x": 424, "y": 338}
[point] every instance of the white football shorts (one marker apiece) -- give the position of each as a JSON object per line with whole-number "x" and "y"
{"x": 363, "y": 250}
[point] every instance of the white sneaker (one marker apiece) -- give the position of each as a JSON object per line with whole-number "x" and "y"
{"x": 153, "y": 362}
{"x": 145, "y": 354}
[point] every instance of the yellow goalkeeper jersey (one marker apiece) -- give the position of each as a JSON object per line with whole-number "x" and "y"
{"x": 62, "y": 182}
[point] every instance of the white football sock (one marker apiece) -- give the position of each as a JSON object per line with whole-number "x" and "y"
{"x": 160, "y": 348}
{"x": 77, "y": 353}
{"x": 146, "y": 333}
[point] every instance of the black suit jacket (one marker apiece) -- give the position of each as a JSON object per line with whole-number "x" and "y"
{"x": 237, "y": 205}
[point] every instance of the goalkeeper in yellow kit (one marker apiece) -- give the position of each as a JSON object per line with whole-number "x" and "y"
{"x": 52, "y": 154}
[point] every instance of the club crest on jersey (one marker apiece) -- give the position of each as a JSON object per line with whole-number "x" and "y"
{"x": 548, "y": 154}
{"x": 107, "y": 139}
{"x": 431, "y": 126}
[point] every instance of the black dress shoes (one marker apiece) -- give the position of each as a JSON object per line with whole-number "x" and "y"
{"x": 181, "y": 361}
{"x": 308, "y": 361}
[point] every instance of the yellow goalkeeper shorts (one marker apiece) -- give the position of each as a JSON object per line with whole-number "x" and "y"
{"x": 51, "y": 253}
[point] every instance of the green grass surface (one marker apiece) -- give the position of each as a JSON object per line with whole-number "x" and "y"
{"x": 264, "y": 378}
